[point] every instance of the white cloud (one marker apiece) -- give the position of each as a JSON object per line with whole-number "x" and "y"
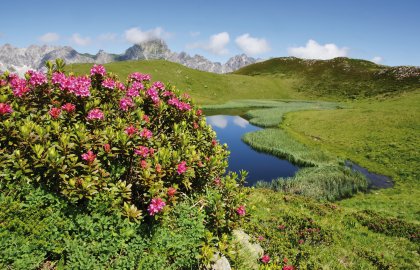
{"x": 313, "y": 50}
{"x": 49, "y": 37}
{"x": 216, "y": 44}
{"x": 251, "y": 45}
{"x": 136, "y": 35}
{"x": 239, "y": 121}
{"x": 219, "y": 121}
{"x": 79, "y": 40}
{"x": 107, "y": 37}
{"x": 377, "y": 59}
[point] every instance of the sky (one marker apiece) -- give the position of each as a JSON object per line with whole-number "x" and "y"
{"x": 386, "y": 32}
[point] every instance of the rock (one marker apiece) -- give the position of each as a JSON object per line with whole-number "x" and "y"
{"x": 34, "y": 57}
{"x": 221, "y": 263}
{"x": 249, "y": 253}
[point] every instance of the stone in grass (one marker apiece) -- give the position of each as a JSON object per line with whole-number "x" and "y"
{"x": 221, "y": 263}
{"x": 249, "y": 253}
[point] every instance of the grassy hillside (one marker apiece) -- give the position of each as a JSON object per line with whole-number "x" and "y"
{"x": 204, "y": 87}
{"x": 339, "y": 77}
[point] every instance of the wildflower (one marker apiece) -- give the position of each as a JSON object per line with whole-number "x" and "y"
{"x": 89, "y": 157}
{"x": 288, "y": 267}
{"x": 68, "y": 107}
{"x": 145, "y": 133}
{"x": 301, "y": 241}
{"x": 120, "y": 86}
{"x": 142, "y": 151}
{"x": 159, "y": 85}
{"x": 196, "y": 126}
{"x": 265, "y": 259}
{"x": 139, "y": 77}
{"x": 131, "y": 130}
{"x": 217, "y": 181}
{"x": 36, "y": 78}
{"x": 126, "y": 103}
{"x": 171, "y": 191}
{"x": 133, "y": 92}
{"x": 168, "y": 94}
{"x": 144, "y": 164}
{"x": 241, "y": 210}
{"x": 153, "y": 94}
{"x": 108, "y": 83}
{"x": 281, "y": 227}
{"x": 158, "y": 168}
{"x": 213, "y": 142}
{"x": 285, "y": 259}
{"x": 55, "y": 112}
{"x": 107, "y": 148}
{"x": 155, "y": 206}
{"x": 18, "y": 85}
{"x": 146, "y": 118}
{"x": 5, "y": 108}
{"x": 260, "y": 238}
{"x": 199, "y": 112}
{"x": 182, "y": 167}
{"x": 97, "y": 70}
{"x": 95, "y": 114}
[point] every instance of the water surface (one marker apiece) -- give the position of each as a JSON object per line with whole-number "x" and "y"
{"x": 260, "y": 166}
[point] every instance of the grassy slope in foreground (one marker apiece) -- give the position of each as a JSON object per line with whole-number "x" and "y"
{"x": 338, "y": 77}
{"x": 379, "y": 135}
{"x": 204, "y": 87}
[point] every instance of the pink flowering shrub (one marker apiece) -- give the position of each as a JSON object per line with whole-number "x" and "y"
{"x": 137, "y": 143}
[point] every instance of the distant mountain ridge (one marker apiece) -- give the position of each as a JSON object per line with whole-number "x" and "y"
{"x": 34, "y": 57}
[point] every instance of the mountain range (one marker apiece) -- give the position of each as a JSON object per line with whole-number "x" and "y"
{"x": 34, "y": 57}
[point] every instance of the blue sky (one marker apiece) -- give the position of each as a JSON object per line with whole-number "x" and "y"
{"x": 387, "y": 31}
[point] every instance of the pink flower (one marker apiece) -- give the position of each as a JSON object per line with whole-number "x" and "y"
{"x": 36, "y": 78}
{"x": 120, "y": 86}
{"x": 155, "y": 206}
{"x": 108, "y": 83}
{"x": 89, "y": 157}
{"x": 199, "y": 112}
{"x": 217, "y": 181}
{"x": 182, "y": 167}
{"x": 18, "y": 85}
{"x": 288, "y": 267}
{"x": 107, "y": 148}
{"x": 5, "y": 108}
{"x": 241, "y": 210}
{"x": 146, "y": 118}
{"x": 158, "y": 168}
{"x": 168, "y": 94}
{"x": 55, "y": 112}
{"x": 144, "y": 164}
{"x": 139, "y": 77}
{"x": 153, "y": 94}
{"x": 126, "y": 103}
{"x": 265, "y": 259}
{"x": 58, "y": 78}
{"x": 131, "y": 130}
{"x": 76, "y": 85}
{"x": 171, "y": 191}
{"x": 182, "y": 106}
{"x": 145, "y": 133}
{"x": 142, "y": 151}
{"x": 159, "y": 85}
{"x": 260, "y": 238}
{"x": 68, "y": 107}
{"x": 301, "y": 241}
{"x": 95, "y": 114}
{"x": 97, "y": 70}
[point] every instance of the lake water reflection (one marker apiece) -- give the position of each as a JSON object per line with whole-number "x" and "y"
{"x": 260, "y": 166}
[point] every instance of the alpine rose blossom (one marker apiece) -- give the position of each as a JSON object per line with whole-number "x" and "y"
{"x": 159, "y": 85}
{"x": 171, "y": 191}
{"x": 241, "y": 210}
{"x": 131, "y": 130}
{"x": 5, "y": 108}
{"x": 288, "y": 267}
{"x": 108, "y": 83}
{"x": 182, "y": 167}
{"x": 55, "y": 112}
{"x": 145, "y": 133}
{"x": 89, "y": 157}
{"x": 107, "y": 148}
{"x": 126, "y": 103}
{"x": 97, "y": 70}
{"x": 68, "y": 107}
{"x": 36, "y": 78}
{"x": 156, "y": 206}
{"x": 265, "y": 259}
{"x": 142, "y": 151}
{"x": 95, "y": 114}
